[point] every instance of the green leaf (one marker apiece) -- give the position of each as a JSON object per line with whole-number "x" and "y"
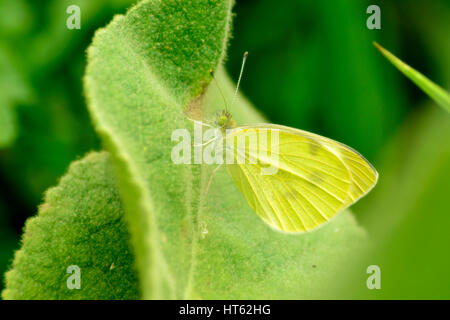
{"x": 145, "y": 71}
{"x": 80, "y": 223}
{"x": 438, "y": 94}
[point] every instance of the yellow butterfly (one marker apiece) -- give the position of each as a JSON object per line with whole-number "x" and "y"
{"x": 315, "y": 177}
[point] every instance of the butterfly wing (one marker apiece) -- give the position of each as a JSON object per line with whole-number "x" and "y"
{"x": 315, "y": 177}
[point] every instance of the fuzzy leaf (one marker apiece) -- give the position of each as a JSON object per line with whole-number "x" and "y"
{"x": 438, "y": 94}
{"x": 145, "y": 71}
{"x": 80, "y": 223}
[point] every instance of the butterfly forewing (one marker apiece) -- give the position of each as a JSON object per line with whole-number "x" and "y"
{"x": 315, "y": 177}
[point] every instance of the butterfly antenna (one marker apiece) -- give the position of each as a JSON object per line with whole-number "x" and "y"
{"x": 240, "y": 77}
{"x": 220, "y": 90}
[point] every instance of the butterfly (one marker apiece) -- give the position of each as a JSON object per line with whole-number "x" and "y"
{"x": 314, "y": 177}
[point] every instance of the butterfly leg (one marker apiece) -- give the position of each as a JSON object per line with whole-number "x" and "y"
{"x": 214, "y": 171}
{"x": 205, "y": 143}
{"x": 211, "y": 177}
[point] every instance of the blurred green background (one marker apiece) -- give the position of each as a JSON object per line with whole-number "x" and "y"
{"x": 311, "y": 66}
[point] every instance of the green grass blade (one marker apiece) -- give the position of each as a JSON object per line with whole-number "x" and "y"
{"x": 437, "y": 93}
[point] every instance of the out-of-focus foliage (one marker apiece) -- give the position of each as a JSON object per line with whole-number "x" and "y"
{"x": 13, "y": 88}
{"x": 8, "y": 241}
{"x": 44, "y": 124}
{"x": 407, "y": 216}
{"x": 311, "y": 66}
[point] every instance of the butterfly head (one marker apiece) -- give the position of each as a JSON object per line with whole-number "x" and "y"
{"x": 224, "y": 120}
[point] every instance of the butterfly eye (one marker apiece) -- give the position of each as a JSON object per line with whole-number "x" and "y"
{"x": 222, "y": 120}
